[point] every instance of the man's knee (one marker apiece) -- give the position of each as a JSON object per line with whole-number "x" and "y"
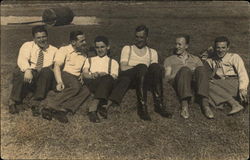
{"x": 141, "y": 69}
{"x": 185, "y": 71}
{"x": 201, "y": 70}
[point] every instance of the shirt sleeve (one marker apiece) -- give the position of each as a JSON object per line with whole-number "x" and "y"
{"x": 24, "y": 57}
{"x": 125, "y": 54}
{"x": 60, "y": 56}
{"x": 167, "y": 63}
{"x": 154, "y": 56}
{"x": 241, "y": 71}
{"x": 114, "y": 67}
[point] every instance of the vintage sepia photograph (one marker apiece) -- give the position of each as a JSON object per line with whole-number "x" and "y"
{"x": 125, "y": 80}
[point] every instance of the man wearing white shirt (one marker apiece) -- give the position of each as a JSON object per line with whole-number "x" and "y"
{"x": 69, "y": 62}
{"x": 34, "y": 71}
{"x": 100, "y": 73}
{"x": 229, "y": 78}
{"x": 139, "y": 64}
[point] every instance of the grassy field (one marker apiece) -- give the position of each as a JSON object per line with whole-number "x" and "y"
{"x": 123, "y": 136}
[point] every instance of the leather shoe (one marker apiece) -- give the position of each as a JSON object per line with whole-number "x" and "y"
{"x": 162, "y": 111}
{"x": 184, "y": 112}
{"x": 61, "y": 116}
{"x": 103, "y": 112}
{"x": 13, "y": 109}
{"x": 143, "y": 113}
{"x": 35, "y": 111}
{"x": 93, "y": 117}
{"x": 235, "y": 109}
{"x": 47, "y": 114}
{"x": 208, "y": 112}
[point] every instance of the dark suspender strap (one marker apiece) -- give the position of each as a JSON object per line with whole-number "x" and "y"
{"x": 130, "y": 52}
{"x": 150, "y": 55}
{"x": 89, "y": 63}
{"x": 110, "y": 63}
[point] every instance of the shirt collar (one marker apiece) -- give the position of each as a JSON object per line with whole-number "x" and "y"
{"x": 71, "y": 50}
{"x": 38, "y": 48}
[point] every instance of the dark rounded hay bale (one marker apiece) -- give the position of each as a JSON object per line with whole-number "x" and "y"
{"x": 58, "y": 16}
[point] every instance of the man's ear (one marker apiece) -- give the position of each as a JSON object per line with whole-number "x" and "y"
{"x": 108, "y": 47}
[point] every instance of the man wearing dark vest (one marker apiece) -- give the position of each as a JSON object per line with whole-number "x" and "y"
{"x": 99, "y": 74}
{"x": 34, "y": 71}
{"x": 141, "y": 70}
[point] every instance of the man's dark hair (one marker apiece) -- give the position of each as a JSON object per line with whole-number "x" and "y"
{"x": 222, "y": 39}
{"x": 102, "y": 39}
{"x": 40, "y": 28}
{"x": 142, "y": 28}
{"x": 73, "y": 35}
{"x": 185, "y": 36}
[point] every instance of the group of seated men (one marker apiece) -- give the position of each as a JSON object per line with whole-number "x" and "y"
{"x": 215, "y": 80}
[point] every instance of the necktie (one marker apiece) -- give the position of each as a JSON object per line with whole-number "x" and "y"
{"x": 39, "y": 63}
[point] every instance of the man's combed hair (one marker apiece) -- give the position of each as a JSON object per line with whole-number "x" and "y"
{"x": 102, "y": 39}
{"x": 37, "y": 29}
{"x": 142, "y": 28}
{"x": 222, "y": 39}
{"x": 74, "y": 34}
{"x": 185, "y": 36}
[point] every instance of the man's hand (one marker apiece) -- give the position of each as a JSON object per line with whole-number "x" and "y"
{"x": 101, "y": 73}
{"x": 243, "y": 95}
{"x": 114, "y": 76}
{"x": 60, "y": 86}
{"x": 94, "y": 75}
{"x": 28, "y": 76}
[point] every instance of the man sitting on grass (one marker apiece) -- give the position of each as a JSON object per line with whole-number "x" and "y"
{"x": 99, "y": 73}
{"x": 229, "y": 78}
{"x": 34, "y": 71}
{"x": 69, "y": 62}
{"x": 182, "y": 71}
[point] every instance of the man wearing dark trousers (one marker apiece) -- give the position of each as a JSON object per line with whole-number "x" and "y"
{"x": 184, "y": 69}
{"x": 34, "y": 71}
{"x": 140, "y": 68}
{"x": 69, "y": 62}
{"x": 100, "y": 73}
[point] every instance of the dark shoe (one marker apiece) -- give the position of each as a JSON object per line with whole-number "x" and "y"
{"x": 161, "y": 109}
{"x": 35, "y": 111}
{"x": 93, "y": 117}
{"x": 208, "y": 112}
{"x": 61, "y": 116}
{"x": 143, "y": 112}
{"x": 103, "y": 111}
{"x": 13, "y": 109}
{"x": 47, "y": 114}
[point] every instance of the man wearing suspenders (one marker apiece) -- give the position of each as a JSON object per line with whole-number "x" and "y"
{"x": 139, "y": 64}
{"x": 73, "y": 93}
{"x": 99, "y": 73}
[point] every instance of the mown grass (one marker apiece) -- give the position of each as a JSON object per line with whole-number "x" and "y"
{"x": 123, "y": 136}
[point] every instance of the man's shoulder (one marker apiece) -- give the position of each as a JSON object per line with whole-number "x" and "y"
{"x": 53, "y": 48}
{"x": 152, "y": 50}
{"x": 172, "y": 57}
{"x": 28, "y": 43}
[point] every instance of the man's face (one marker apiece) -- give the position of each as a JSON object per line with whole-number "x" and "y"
{"x": 101, "y": 49}
{"x": 221, "y": 49}
{"x": 41, "y": 39}
{"x": 80, "y": 44}
{"x": 180, "y": 45}
{"x": 140, "y": 39}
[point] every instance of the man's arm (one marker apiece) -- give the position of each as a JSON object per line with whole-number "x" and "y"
{"x": 23, "y": 61}
{"x": 58, "y": 76}
{"x": 243, "y": 77}
{"x": 124, "y": 58}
